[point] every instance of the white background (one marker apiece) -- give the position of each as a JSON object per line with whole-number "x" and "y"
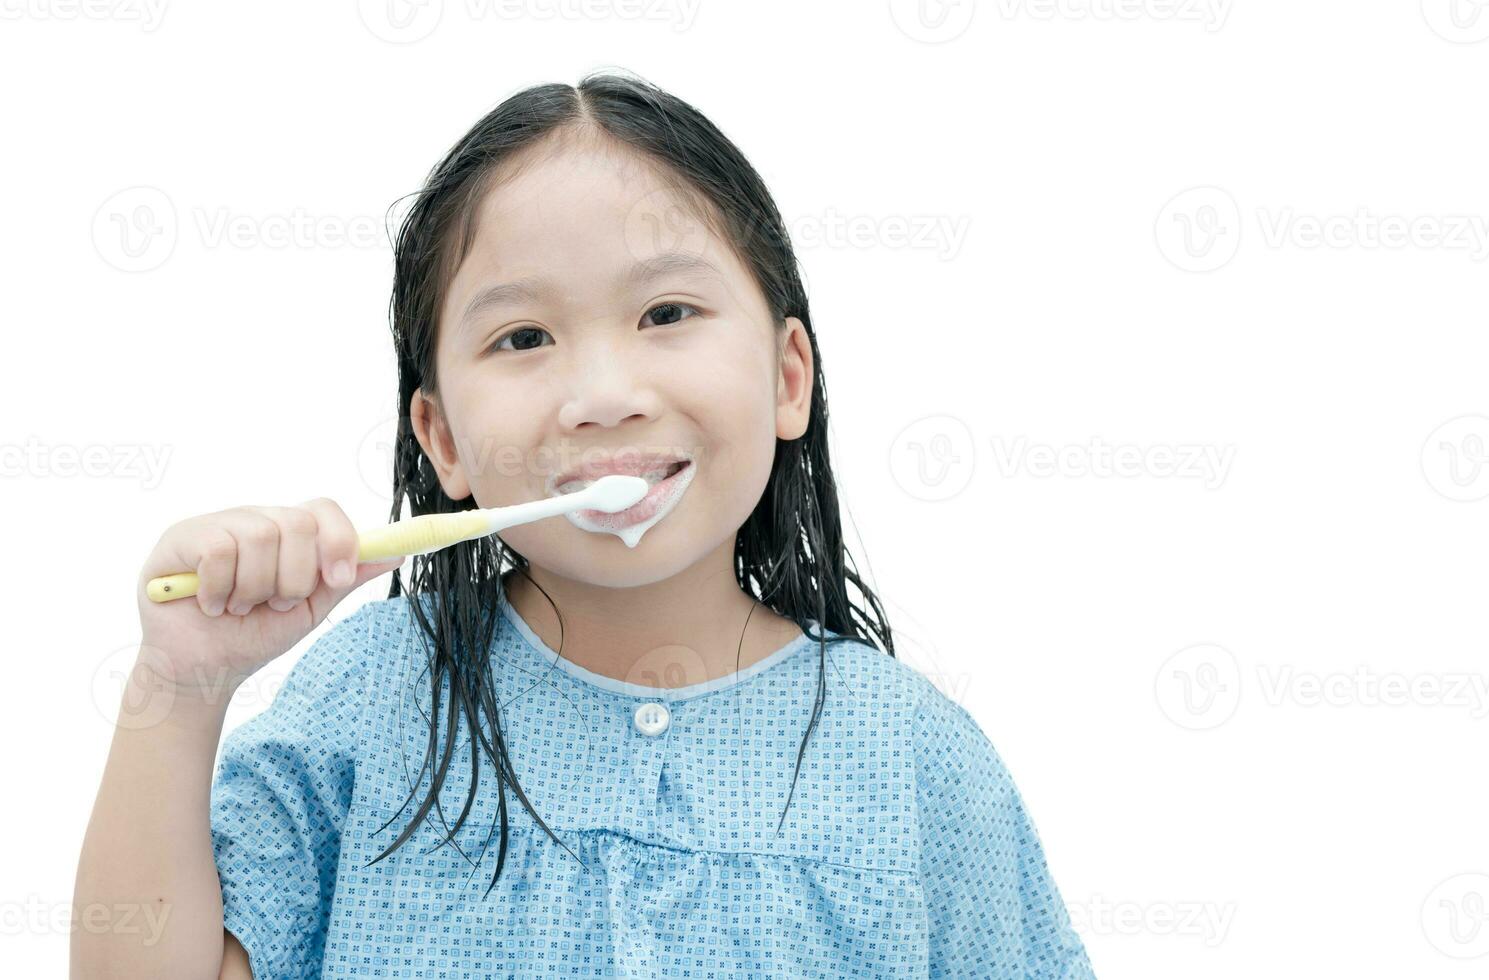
{"x": 1244, "y": 699}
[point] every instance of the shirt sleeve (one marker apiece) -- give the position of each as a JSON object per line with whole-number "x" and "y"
{"x": 281, "y": 794}
{"x": 992, "y": 908}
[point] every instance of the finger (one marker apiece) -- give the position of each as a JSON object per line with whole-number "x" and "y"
{"x": 258, "y": 558}
{"x": 336, "y": 542}
{"x": 204, "y": 545}
{"x": 367, "y": 571}
{"x": 298, "y": 569}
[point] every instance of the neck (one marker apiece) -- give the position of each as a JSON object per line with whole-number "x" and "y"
{"x": 696, "y": 626}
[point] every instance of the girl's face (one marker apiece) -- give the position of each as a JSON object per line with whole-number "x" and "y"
{"x": 633, "y": 329}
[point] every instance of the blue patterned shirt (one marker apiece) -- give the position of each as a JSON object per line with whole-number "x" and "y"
{"x": 906, "y": 851}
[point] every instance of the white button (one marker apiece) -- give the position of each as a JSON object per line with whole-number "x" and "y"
{"x": 652, "y": 718}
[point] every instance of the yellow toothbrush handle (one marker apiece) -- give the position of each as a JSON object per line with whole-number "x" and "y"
{"x": 414, "y": 536}
{"x": 167, "y": 587}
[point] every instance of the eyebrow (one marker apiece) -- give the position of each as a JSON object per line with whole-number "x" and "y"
{"x": 534, "y": 289}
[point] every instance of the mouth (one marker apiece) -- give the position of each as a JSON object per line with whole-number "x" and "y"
{"x": 574, "y": 482}
{"x": 668, "y": 484}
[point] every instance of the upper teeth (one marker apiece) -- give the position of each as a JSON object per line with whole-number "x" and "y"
{"x": 652, "y": 477}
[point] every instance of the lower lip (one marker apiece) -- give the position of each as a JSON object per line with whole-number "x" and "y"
{"x": 644, "y": 509}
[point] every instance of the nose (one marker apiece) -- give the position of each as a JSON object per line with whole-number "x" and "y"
{"x": 605, "y": 388}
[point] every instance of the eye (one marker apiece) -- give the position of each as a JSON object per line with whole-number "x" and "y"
{"x": 525, "y": 333}
{"x": 671, "y": 310}
{"x": 527, "y": 338}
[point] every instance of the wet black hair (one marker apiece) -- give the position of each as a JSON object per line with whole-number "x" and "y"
{"x": 789, "y": 555}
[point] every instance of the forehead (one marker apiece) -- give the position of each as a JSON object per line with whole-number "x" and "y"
{"x": 582, "y": 215}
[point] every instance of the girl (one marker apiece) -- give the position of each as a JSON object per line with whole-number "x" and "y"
{"x": 671, "y": 743}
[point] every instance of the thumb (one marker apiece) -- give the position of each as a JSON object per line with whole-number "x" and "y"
{"x": 367, "y": 571}
{"x": 326, "y": 596}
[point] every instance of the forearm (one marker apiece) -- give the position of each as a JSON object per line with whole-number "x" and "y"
{"x": 147, "y": 901}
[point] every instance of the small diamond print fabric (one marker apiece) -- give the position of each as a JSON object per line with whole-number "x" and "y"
{"x": 906, "y": 851}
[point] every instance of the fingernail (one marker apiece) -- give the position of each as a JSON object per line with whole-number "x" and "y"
{"x": 341, "y": 572}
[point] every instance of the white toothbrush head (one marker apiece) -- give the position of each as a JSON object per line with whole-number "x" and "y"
{"x": 611, "y": 494}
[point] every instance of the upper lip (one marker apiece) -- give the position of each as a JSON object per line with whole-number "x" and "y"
{"x": 628, "y": 463}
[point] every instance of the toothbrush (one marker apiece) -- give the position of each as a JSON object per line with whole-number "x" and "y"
{"x": 431, "y": 532}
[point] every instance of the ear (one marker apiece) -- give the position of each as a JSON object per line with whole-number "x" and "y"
{"x": 793, "y": 380}
{"x": 438, "y": 442}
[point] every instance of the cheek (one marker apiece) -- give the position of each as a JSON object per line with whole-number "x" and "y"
{"x": 494, "y": 449}
{"x": 736, "y": 416}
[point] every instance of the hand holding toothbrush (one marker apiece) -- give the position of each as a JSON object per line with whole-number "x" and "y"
{"x": 264, "y": 577}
